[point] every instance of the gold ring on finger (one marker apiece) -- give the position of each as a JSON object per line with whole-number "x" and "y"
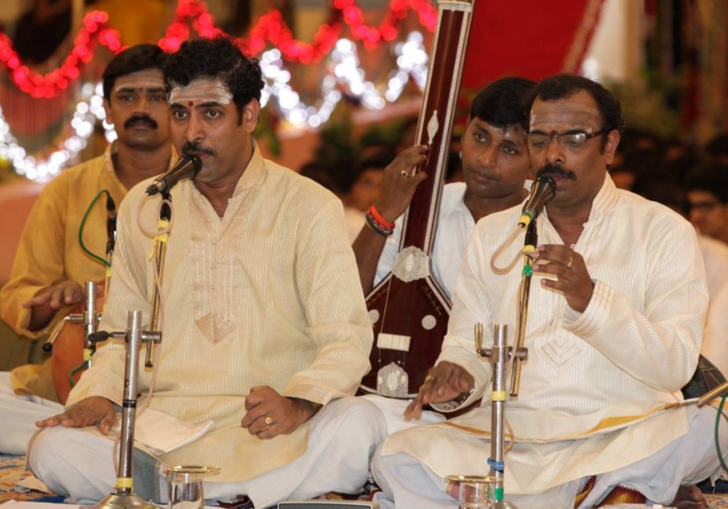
{"x": 404, "y": 173}
{"x": 429, "y": 377}
{"x": 571, "y": 260}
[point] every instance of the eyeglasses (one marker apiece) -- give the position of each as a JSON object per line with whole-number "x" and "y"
{"x": 568, "y": 141}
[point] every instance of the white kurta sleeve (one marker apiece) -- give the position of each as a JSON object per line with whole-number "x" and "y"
{"x": 660, "y": 343}
{"x": 471, "y": 305}
{"x": 389, "y": 253}
{"x": 337, "y": 321}
{"x": 127, "y": 292}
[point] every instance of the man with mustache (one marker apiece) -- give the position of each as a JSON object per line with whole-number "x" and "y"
{"x": 265, "y": 329}
{"x": 617, "y": 306}
{"x": 50, "y": 267}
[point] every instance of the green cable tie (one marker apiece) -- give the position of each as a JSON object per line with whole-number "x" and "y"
{"x": 498, "y": 494}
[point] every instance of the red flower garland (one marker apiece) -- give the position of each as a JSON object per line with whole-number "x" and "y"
{"x": 46, "y": 86}
{"x": 270, "y": 28}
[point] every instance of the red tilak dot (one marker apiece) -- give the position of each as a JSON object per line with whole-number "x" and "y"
{"x": 191, "y": 104}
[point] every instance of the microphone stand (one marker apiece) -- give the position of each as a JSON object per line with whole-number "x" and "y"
{"x": 134, "y": 336}
{"x": 160, "y": 252}
{"x": 530, "y": 244}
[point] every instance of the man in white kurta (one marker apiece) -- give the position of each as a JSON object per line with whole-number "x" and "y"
{"x": 598, "y": 381}
{"x": 261, "y": 303}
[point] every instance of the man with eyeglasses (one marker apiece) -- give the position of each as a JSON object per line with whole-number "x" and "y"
{"x": 618, "y": 302}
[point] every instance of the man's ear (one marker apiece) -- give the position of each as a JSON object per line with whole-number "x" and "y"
{"x": 610, "y": 149}
{"x": 251, "y": 115}
{"x": 107, "y": 109}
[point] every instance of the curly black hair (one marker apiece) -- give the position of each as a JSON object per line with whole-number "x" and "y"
{"x": 134, "y": 59}
{"x": 563, "y": 86}
{"x": 217, "y": 57}
{"x": 501, "y": 103}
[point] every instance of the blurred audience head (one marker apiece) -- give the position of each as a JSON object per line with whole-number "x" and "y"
{"x": 707, "y": 194}
{"x": 366, "y": 181}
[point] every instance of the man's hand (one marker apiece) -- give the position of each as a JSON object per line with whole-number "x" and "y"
{"x": 269, "y": 414}
{"x": 67, "y": 293}
{"x": 569, "y": 267}
{"x": 90, "y": 411}
{"x": 398, "y": 184}
{"x": 443, "y": 383}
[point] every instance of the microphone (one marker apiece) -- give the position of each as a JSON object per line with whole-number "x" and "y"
{"x": 187, "y": 167}
{"x": 542, "y": 191}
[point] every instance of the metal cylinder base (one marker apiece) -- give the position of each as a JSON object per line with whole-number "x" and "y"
{"x": 114, "y": 501}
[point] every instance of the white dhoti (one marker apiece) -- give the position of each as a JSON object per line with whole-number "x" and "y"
{"x": 344, "y": 436}
{"x": 18, "y": 415}
{"x": 407, "y": 482}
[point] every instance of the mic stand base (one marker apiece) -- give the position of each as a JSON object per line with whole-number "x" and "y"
{"x": 502, "y": 504}
{"x": 116, "y": 501}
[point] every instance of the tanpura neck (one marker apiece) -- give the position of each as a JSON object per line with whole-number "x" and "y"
{"x": 481, "y": 207}
{"x": 132, "y": 165}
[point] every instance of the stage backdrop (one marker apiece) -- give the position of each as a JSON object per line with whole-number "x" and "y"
{"x": 529, "y": 38}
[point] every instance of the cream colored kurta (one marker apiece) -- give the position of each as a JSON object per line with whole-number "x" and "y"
{"x": 594, "y": 384}
{"x": 267, "y": 295}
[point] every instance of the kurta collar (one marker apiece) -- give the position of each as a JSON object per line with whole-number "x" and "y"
{"x": 605, "y": 200}
{"x": 253, "y": 174}
{"x": 109, "y": 163}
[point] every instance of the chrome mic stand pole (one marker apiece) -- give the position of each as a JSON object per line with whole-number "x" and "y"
{"x": 134, "y": 336}
{"x": 498, "y": 356}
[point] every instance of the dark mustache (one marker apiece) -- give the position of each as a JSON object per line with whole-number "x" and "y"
{"x": 192, "y": 147}
{"x": 555, "y": 170}
{"x": 140, "y": 119}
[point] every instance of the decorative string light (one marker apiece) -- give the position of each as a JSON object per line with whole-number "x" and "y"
{"x": 272, "y": 29}
{"x": 49, "y": 85}
{"x": 343, "y": 69}
{"x": 88, "y": 110}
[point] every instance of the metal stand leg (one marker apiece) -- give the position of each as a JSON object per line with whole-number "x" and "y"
{"x": 134, "y": 336}
{"x": 498, "y": 356}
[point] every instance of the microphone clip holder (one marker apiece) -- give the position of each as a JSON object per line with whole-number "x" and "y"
{"x": 134, "y": 337}
{"x": 90, "y": 319}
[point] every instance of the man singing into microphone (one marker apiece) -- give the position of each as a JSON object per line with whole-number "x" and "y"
{"x": 617, "y": 306}
{"x": 265, "y": 330}
{"x": 50, "y": 267}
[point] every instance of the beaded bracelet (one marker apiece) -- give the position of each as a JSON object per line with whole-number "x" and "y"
{"x": 379, "y": 218}
{"x": 382, "y": 229}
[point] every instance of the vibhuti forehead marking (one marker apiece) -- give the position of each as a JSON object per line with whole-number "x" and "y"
{"x": 201, "y": 91}
{"x": 573, "y": 113}
{"x": 142, "y": 79}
